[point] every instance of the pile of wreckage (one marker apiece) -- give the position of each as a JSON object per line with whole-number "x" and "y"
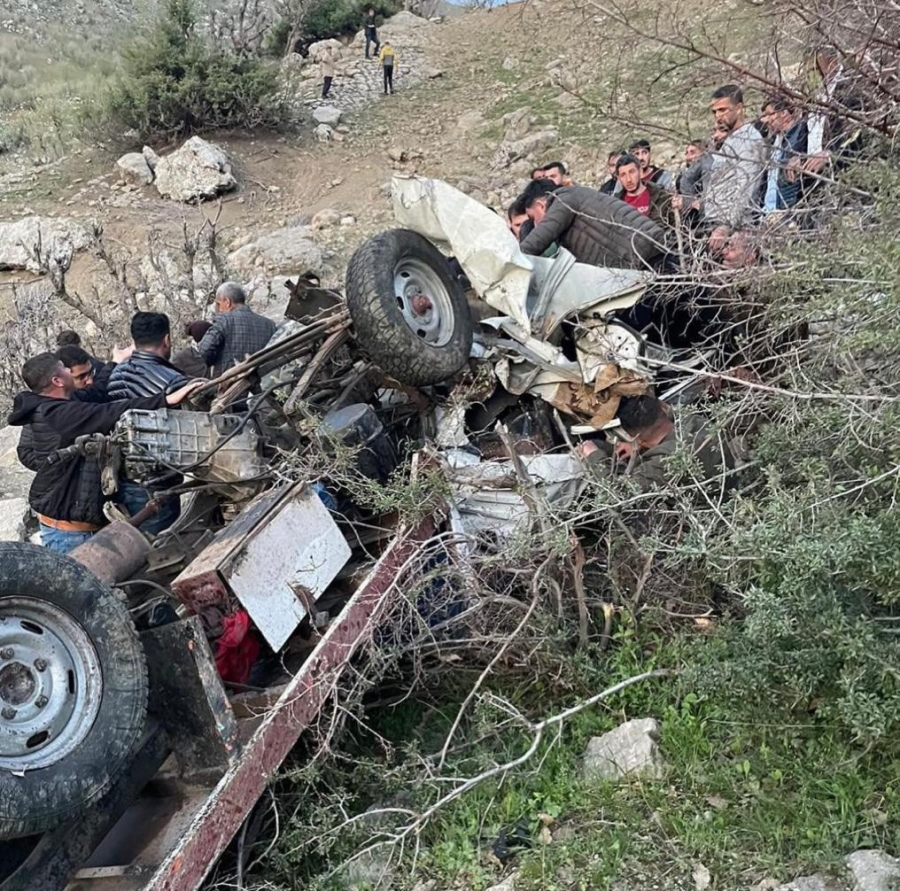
{"x": 447, "y": 339}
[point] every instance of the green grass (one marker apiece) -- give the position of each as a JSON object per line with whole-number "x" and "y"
{"x": 748, "y": 795}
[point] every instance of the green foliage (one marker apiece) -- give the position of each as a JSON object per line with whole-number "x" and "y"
{"x": 330, "y": 18}
{"x": 175, "y": 83}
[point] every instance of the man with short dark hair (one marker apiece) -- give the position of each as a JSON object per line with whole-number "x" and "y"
{"x": 516, "y": 216}
{"x": 656, "y": 436}
{"x": 91, "y": 375}
{"x": 147, "y": 372}
{"x": 370, "y": 27}
{"x": 609, "y": 187}
{"x": 729, "y": 198}
{"x": 650, "y": 173}
{"x": 556, "y": 172}
{"x": 236, "y": 331}
{"x": 788, "y": 133}
{"x": 647, "y": 199}
{"x": 66, "y": 493}
{"x": 597, "y": 229}
{"x": 68, "y": 337}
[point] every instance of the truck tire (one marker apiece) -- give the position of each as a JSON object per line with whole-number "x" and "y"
{"x": 409, "y": 312}
{"x": 73, "y": 689}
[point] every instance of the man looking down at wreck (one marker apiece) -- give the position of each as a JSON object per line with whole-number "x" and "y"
{"x": 596, "y": 229}
{"x": 657, "y": 436}
{"x": 236, "y": 332}
{"x": 66, "y": 493}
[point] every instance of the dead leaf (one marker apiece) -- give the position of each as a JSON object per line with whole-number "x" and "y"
{"x": 546, "y": 819}
{"x": 544, "y": 836}
{"x": 717, "y": 802}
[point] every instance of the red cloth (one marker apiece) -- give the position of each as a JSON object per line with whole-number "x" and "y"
{"x": 237, "y": 649}
{"x": 641, "y": 203}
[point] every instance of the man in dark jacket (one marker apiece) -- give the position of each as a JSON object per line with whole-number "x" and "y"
{"x": 788, "y": 135}
{"x": 236, "y": 331}
{"x": 597, "y": 229}
{"x": 66, "y": 493}
{"x": 370, "y": 28}
{"x": 147, "y": 372}
{"x": 91, "y": 375}
{"x": 188, "y": 360}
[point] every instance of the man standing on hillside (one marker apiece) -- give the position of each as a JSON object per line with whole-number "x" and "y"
{"x": 609, "y": 187}
{"x": 737, "y": 169}
{"x": 650, "y": 173}
{"x": 236, "y": 331}
{"x": 371, "y": 31}
{"x": 388, "y": 58}
{"x": 648, "y": 199}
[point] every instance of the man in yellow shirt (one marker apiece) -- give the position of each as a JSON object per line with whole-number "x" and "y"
{"x": 388, "y": 58}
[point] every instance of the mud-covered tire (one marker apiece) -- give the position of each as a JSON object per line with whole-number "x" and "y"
{"x": 64, "y": 638}
{"x": 419, "y": 342}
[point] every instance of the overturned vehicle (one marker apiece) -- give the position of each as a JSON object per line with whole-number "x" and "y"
{"x": 150, "y": 689}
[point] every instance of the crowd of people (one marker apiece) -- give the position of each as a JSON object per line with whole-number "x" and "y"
{"x": 71, "y": 394}
{"x": 748, "y": 174}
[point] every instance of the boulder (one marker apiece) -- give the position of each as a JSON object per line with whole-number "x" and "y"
{"x": 326, "y": 218}
{"x": 515, "y": 150}
{"x": 629, "y": 750}
{"x": 433, "y": 73}
{"x": 287, "y": 251}
{"x": 58, "y": 237}
{"x": 469, "y": 122}
{"x": 516, "y": 124}
{"x": 134, "y": 169}
{"x": 150, "y": 157}
{"x": 331, "y": 47}
{"x": 324, "y": 133}
{"x": 12, "y": 519}
{"x": 874, "y": 871}
{"x": 197, "y": 170}
{"x": 9, "y": 440}
{"x": 327, "y": 114}
{"x": 397, "y": 154}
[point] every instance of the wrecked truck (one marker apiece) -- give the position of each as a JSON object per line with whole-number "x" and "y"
{"x": 137, "y": 731}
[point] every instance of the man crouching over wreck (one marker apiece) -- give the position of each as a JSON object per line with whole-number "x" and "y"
{"x": 657, "y": 434}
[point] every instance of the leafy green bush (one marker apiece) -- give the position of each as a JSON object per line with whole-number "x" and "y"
{"x": 809, "y": 552}
{"x": 175, "y": 83}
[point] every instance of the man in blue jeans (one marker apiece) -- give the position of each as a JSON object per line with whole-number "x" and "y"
{"x": 147, "y": 372}
{"x": 66, "y": 492}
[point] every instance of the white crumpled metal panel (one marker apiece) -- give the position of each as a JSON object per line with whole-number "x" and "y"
{"x": 296, "y": 548}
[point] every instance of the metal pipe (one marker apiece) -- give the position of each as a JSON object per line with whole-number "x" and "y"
{"x": 114, "y": 553}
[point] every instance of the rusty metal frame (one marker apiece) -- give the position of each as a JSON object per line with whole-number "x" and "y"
{"x": 229, "y": 803}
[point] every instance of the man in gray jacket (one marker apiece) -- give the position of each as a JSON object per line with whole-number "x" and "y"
{"x": 596, "y": 229}
{"x": 236, "y": 331}
{"x": 734, "y": 181}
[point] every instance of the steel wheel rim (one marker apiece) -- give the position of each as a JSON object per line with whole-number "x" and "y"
{"x": 51, "y": 684}
{"x": 424, "y": 302}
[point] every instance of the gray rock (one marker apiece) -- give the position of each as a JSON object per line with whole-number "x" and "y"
{"x": 433, "y": 73}
{"x": 150, "y": 157}
{"x": 508, "y": 884}
{"x": 326, "y": 218}
{"x": 516, "y": 124}
{"x": 874, "y": 871}
{"x": 397, "y": 154}
{"x": 629, "y": 750}
{"x": 287, "y": 251}
{"x": 197, "y": 170}
{"x": 134, "y": 169}
{"x": 811, "y": 883}
{"x": 12, "y": 519}
{"x": 510, "y": 63}
{"x": 324, "y": 133}
{"x": 327, "y": 114}
{"x": 59, "y": 238}
{"x": 470, "y": 122}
